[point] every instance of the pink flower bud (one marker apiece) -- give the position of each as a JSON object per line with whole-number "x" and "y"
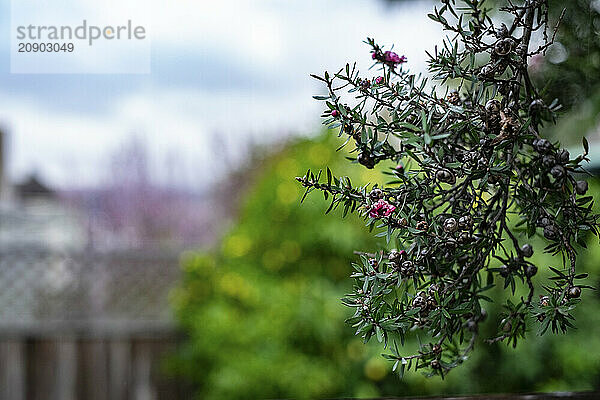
{"x": 379, "y": 80}
{"x": 335, "y": 113}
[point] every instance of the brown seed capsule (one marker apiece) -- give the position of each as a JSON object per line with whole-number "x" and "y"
{"x": 542, "y": 145}
{"x": 394, "y": 256}
{"x": 530, "y": 271}
{"x": 433, "y": 289}
{"x": 402, "y": 222}
{"x": 544, "y": 301}
{"x": 508, "y": 125}
{"x": 507, "y": 326}
{"x": 464, "y": 237}
{"x": 548, "y": 161}
{"x": 504, "y": 46}
{"x": 431, "y": 303}
{"x": 574, "y": 292}
{"x": 543, "y": 221}
{"x": 407, "y": 269}
{"x": 366, "y": 160}
{"x": 436, "y": 348}
{"x": 435, "y": 364}
{"x": 536, "y": 106}
{"x": 487, "y": 71}
{"x": 422, "y": 225}
{"x": 454, "y": 98}
{"x": 465, "y": 222}
{"x": 581, "y": 187}
{"x": 492, "y": 106}
{"x": 444, "y": 175}
{"x": 419, "y": 302}
{"x": 365, "y": 84}
{"x": 450, "y": 225}
{"x": 558, "y": 171}
{"x": 563, "y": 156}
{"x": 550, "y": 232}
{"x": 527, "y": 250}
{"x": 376, "y": 194}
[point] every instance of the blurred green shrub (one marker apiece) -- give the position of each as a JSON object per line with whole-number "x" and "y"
{"x": 571, "y": 68}
{"x": 263, "y": 318}
{"x": 263, "y": 312}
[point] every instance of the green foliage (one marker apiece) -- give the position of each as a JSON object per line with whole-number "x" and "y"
{"x": 262, "y": 312}
{"x": 570, "y": 69}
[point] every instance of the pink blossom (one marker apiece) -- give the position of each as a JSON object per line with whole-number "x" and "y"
{"x": 379, "y": 80}
{"x": 335, "y": 113}
{"x": 381, "y": 209}
{"x": 394, "y": 58}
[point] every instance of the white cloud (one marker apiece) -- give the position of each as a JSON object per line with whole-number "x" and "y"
{"x": 72, "y": 149}
{"x": 283, "y": 41}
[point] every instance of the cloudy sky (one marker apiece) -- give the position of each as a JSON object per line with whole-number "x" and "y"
{"x": 222, "y": 72}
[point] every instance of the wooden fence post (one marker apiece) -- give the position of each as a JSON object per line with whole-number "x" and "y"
{"x": 66, "y": 366}
{"x": 142, "y": 370}
{"x": 12, "y": 369}
{"x": 120, "y": 369}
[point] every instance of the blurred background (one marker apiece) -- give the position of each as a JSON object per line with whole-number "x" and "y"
{"x": 152, "y": 245}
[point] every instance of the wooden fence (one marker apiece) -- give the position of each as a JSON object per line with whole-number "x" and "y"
{"x": 81, "y": 363}
{"x": 83, "y": 325}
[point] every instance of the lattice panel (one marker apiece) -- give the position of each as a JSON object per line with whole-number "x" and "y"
{"x": 44, "y": 285}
